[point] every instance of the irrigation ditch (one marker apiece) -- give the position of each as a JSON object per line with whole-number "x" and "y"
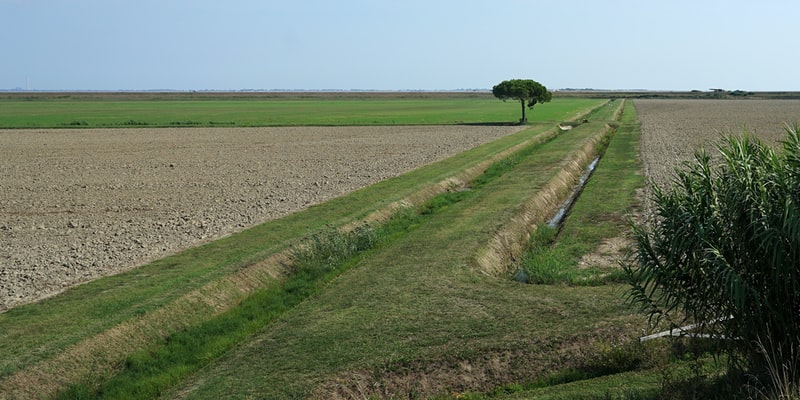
{"x": 561, "y": 215}
{"x": 97, "y": 358}
{"x": 508, "y": 244}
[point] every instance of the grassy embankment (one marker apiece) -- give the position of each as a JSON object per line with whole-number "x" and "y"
{"x": 415, "y": 316}
{"x": 48, "y": 345}
{"x": 122, "y": 110}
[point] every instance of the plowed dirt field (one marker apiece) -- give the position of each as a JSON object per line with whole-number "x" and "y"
{"x": 673, "y": 129}
{"x": 80, "y": 204}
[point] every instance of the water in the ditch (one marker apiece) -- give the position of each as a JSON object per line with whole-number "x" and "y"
{"x": 567, "y": 204}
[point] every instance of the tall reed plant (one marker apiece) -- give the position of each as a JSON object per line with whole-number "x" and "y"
{"x": 723, "y": 250}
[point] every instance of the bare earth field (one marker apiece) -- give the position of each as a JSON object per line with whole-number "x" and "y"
{"x": 673, "y": 129}
{"x": 80, "y": 204}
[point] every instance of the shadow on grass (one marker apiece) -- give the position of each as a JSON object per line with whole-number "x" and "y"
{"x": 505, "y": 123}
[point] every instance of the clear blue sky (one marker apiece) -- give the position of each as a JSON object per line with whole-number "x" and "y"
{"x": 398, "y": 44}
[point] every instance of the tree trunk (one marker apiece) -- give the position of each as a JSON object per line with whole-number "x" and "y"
{"x": 524, "y": 118}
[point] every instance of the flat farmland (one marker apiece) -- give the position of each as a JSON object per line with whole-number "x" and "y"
{"x": 127, "y": 110}
{"x": 83, "y": 203}
{"x": 413, "y": 290}
{"x": 673, "y": 129}
{"x": 412, "y": 315}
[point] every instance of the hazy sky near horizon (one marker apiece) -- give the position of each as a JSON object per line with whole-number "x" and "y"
{"x": 398, "y": 45}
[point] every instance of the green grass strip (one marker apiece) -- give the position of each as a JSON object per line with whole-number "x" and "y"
{"x": 635, "y": 385}
{"x": 600, "y": 213}
{"x": 148, "y": 372}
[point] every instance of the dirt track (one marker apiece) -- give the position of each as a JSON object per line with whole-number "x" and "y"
{"x": 79, "y": 204}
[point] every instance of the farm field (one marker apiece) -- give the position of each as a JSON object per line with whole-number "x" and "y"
{"x": 80, "y": 204}
{"x": 673, "y": 129}
{"x": 419, "y": 317}
{"x": 120, "y": 110}
{"x": 421, "y": 313}
{"x": 93, "y": 314}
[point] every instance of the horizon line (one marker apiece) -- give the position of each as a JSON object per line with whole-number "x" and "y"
{"x": 463, "y": 90}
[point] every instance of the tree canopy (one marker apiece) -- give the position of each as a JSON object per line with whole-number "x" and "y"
{"x": 526, "y": 91}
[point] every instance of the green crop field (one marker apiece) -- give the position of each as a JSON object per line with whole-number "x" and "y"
{"x": 83, "y": 111}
